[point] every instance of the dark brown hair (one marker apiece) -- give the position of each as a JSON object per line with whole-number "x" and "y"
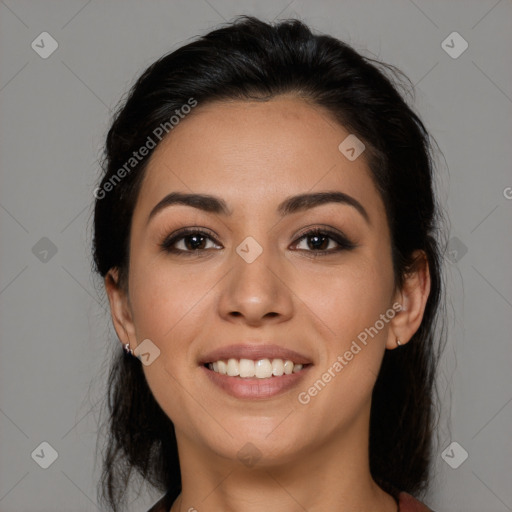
{"x": 250, "y": 59}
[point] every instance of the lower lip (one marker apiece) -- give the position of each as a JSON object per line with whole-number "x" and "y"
{"x": 253, "y": 387}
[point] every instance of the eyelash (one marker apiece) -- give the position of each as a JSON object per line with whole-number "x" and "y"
{"x": 344, "y": 244}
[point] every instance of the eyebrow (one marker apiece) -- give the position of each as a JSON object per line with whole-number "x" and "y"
{"x": 290, "y": 205}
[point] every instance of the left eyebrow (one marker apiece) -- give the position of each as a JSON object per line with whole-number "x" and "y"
{"x": 305, "y": 201}
{"x": 293, "y": 204}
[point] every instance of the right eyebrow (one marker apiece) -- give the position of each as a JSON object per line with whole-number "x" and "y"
{"x": 203, "y": 202}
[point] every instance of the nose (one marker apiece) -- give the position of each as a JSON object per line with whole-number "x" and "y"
{"x": 256, "y": 291}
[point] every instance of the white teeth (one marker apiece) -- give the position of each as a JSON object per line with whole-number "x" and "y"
{"x": 232, "y": 369}
{"x": 246, "y": 368}
{"x": 222, "y": 366}
{"x": 288, "y": 367}
{"x": 277, "y": 367}
{"x": 261, "y": 369}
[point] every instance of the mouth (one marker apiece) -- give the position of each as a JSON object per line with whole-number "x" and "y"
{"x": 255, "y": 371}
{"x": 259, "y": 369}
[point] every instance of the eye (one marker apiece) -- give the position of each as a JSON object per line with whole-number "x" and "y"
{"x": 317, "y": 241}
{"x": 320, "y": 242}
{"x": 189, "y": 240}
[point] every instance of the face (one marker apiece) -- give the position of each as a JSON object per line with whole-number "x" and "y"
{"x": 311, "y": 277}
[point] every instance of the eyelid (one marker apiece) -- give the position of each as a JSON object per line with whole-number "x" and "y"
{"x": 343, "y": 241}
{"x": 324, "y": 228}
{"x": 181, "y": 233}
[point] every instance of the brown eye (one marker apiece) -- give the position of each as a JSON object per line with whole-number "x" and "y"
{"x": 189, "y": 241}
{"x": 324, "y": 242}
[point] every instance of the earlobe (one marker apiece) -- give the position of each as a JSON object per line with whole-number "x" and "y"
{"x": 120, "y": 309}
{"x": 413, "y": 298}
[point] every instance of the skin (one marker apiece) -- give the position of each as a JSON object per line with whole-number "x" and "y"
{"x": 254, "y": 155}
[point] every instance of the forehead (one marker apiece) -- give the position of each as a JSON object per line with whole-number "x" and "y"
{"x": 255, "y": 153}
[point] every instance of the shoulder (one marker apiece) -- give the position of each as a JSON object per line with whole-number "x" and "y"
{"x": 164, "y": 503}
{"x": 408, "y": 503}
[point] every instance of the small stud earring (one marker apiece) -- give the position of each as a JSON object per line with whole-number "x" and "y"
{"x": 127, "y": 349}
{"x": 398, "y": 342}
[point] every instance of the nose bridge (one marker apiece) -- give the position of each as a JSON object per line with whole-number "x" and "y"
{"x": 252, "y": 262}
{"x": 255, "y": 289}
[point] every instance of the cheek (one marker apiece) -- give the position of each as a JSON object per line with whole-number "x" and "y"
{"x": 169, "y": 306}
{"x": 349, "y": 298}
{"x": 165, "y": 298}
{"x": 350, "y": 303}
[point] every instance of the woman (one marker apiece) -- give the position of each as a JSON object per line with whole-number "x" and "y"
{"x": 266, "y": 229}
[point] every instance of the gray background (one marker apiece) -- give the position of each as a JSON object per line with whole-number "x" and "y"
{"x": 54, "y": 114}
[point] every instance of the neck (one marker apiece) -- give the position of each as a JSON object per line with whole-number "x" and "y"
{"x": 333, "y": 476}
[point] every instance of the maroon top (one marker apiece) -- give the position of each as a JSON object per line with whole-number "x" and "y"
{"x": 406, "y": 503}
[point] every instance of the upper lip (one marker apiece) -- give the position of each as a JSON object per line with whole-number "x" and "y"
{"x": 254, "y": 352}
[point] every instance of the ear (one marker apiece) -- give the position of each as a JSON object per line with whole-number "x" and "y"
{"x": 120, "y": 309}
{"x": 413, "y": 299}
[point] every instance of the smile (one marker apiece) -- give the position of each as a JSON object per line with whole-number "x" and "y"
{"x": 261, "y": 368}
{"x": 260, "y": 379}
